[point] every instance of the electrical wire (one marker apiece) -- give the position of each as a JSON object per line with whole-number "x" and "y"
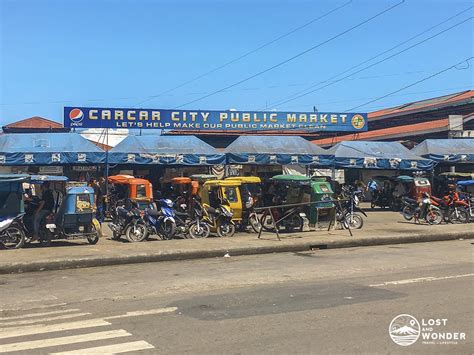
{"x": 247, "y": 53}
{"x": 297, "y": 94}
{"x": 378, "y": 62}
{"x": 412, "y": 84}
{"x": 296, "y": 55}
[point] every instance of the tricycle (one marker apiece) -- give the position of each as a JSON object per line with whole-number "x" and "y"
{"x": 12, "y": 231}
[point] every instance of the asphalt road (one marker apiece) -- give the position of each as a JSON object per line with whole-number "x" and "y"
{"x": 326, "y": 301}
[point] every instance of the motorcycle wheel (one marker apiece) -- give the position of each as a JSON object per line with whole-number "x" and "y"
{"x": 136, "y": 233}
{"x": 13, "y": 237}
{"x": 353, "y": 221}
{"x": 226, "y": 230}
{"x": 461, "y": 216}
{"x": 168, "y": 230}
{"x": 198, "y": 231}
{"x": 255, "y": 222}
{"x": 434, "y": 217}
{"x": 268, "y": 224}
{"x": 408, "y": 213}
{"x": 94, "y": 238}
{"x": 295, "y": 224}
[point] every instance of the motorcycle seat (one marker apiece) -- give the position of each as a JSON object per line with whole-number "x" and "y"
{"x": 211, "y": 210}
{"x": 154, "y": 213}
{"x": 409, "y": 200}
{"x": 181, "y": 214}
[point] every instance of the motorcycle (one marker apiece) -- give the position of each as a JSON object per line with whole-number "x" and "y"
{"x": 347, "y": 209}
{"x": 219, "y": 219}
{"x": 190, "y": 224}
{"x": 12, "y": 235}
{"x": 421, "y": 210}
{"x": 128, "y": 222}
{"x": 453, "y": 209}
{"x": 161, "y": 220}
{"x": 290, "y": 219}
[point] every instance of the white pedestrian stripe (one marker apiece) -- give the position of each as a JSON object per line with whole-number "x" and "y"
{"x": 144, "y": 313}
{"x": 419, "y": 279}
{"x": 74, "y": 339}
{"x": 42, "y": 320}
{"x": 34, "y": 324}
{"x": 31, "y": 315}
{"x": 23, "y": 308}
{"x": 41, "y": 329}
{"x": 111, "y": 349}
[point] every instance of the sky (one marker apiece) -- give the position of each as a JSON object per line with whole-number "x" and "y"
{"x": 132, "y": 53}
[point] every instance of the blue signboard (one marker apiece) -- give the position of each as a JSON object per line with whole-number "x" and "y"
{"x": 93, "y": 117}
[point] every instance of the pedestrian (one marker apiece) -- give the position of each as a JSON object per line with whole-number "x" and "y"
{"x": 45, "y": 207}
{"x": 98, "y": 196}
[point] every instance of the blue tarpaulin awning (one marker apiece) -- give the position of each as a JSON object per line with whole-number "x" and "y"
{"x": 447, "y": 150}
{"x": 377, "y": 155}
{"x": 281, "y": 150}
{"x": 48, "y": 149}
{"x": 165, "y": 150}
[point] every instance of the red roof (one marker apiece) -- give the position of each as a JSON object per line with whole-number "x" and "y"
{"x": 425, "y": 105}
{"x": 35, "y": 122}
{"x": 392, "y": 132}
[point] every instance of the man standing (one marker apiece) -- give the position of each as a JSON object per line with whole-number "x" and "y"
{"x": 45, "y": 207}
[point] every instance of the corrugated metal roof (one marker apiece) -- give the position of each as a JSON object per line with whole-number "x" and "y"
{"x": 423, "y": 105}
{"x": 407, "y": 130}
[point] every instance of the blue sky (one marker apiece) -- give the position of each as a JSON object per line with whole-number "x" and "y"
{"x": 119, "y": 53}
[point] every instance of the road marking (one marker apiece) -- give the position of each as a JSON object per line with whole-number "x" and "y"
{"x": 40, "y": 320}
{"x": 41, "y": 328}
{"x": 45, "y": 343}
{"x": 144, "y": 313}
{"x": 419, "y": 279}
{"x": 111, "y": 349}
{"x": 22, "y": 307}
{"x": 31, "y": 315}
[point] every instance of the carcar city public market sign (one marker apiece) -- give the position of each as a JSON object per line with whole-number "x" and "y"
{"x": 94, "y": 117}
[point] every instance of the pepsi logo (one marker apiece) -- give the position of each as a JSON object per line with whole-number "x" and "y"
{"x": 76, "y": 115}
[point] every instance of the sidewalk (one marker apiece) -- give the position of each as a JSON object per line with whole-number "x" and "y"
{"x": 380, "y": 228}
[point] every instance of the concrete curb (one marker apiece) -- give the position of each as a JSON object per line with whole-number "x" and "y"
{"x": 83, "y": 262}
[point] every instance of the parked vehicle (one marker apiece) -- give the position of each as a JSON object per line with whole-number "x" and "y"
{"x": 218, "y": 197}
{"x": 454, "y": 209}
{"x": 160, "y": 219}
{"x": 348, "y": 210}
{"x": 191, "y": 224}
{"x": 12, "y": 231}
{"x": 288, "y": 190}
{"x": 466, "y": 193}
{"x": 128, "y": 221}
{"x": 249, "y": 192}
{"x": 421, "y": 210}
{"x": 75, "y": 218}
{"x": 73, "y": 213}
{"x": 124, "y": 187}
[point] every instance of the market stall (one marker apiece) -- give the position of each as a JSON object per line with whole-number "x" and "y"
{"x": 165, "y": 150}
{"x": 36, "y": 149}
{"x": 276, "y": 150}
{"x": 449, "y": 151}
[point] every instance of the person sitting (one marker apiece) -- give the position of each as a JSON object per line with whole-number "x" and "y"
{"x": 45, "y": 207}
